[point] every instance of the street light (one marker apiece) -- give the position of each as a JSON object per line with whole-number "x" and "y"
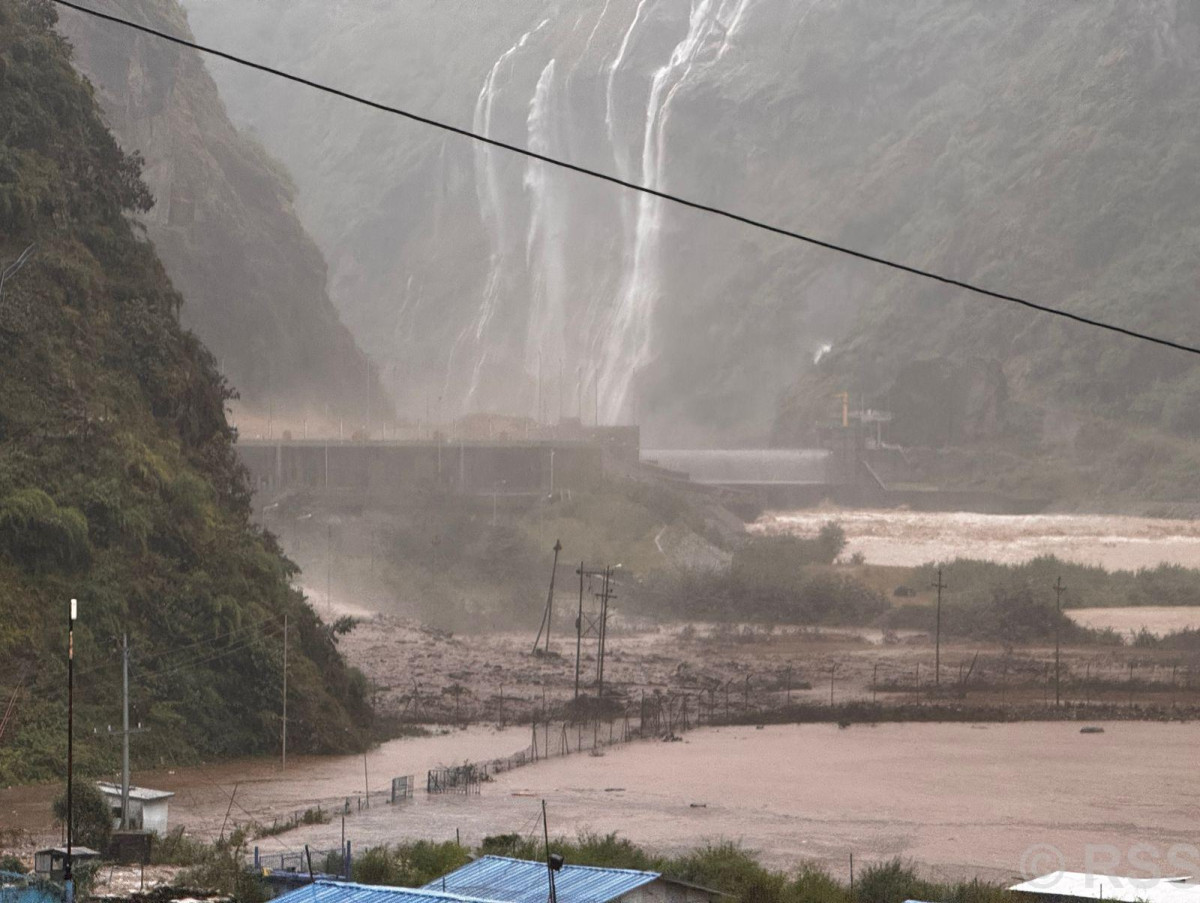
{"x": 68, "y": 883}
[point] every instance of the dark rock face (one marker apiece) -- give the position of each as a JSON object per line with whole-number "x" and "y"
{"x": 223, "y": 222}
{"x": 942, "y": 402}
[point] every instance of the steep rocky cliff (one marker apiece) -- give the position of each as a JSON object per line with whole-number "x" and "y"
{"x": 1048, "y": 150}
{"x": 224, "y": 224}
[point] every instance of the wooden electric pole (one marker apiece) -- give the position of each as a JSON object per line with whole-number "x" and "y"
{"x": 579, "y": 630}
{"x": 1059, "y": 589}
{"x": 937, "y": 643}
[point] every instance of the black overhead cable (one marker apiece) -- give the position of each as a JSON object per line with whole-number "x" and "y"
{"x": 633, "y": 186}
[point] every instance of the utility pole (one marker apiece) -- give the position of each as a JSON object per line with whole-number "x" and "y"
{"x": 579, "y": 631}
{"x": 937, "y": 649}
{"x": 68, "y": 881}
{"x": 283, "y": 757}
{"x": 549, "y": 863}
{"x": 548, "y": 616}
{"x": 1059, "y": 589}
{"x": 125, "y": 732}
{"x": 603, "y": 627}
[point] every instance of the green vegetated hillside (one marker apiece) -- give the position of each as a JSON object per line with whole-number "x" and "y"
{"x": 224, "y": 224}
{"x": 1051, "y": 152}
{"x": 118, "y": 481}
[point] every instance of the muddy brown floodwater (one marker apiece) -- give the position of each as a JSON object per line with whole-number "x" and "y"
{"x": 961, "y": 800}
{"x": 1125, "y": 620}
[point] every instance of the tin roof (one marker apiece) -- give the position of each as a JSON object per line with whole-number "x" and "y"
{"x": 135, "y": 793}
{"x": 16, "y": 888}
{"x": 77, "y": 852}
{"x": 347, "y": 892}
{"x": 1122, "y": 889}
{"x": 522, "y": 881}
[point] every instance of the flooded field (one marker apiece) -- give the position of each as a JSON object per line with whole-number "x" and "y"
{"x": 1157, "y": 619}
{"x": 911, "y": 538}
{"x": 961, "y": 800}
{"x": 260, "y": 791}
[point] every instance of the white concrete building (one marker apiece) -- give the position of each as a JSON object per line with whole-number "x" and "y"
{"x": 147, "y": 808}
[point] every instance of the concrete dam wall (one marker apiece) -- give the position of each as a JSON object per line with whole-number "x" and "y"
{"x": 383, "y": 470}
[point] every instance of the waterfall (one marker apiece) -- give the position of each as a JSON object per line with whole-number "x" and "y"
{"x": 626, "y": 347}
{"x": 494, "y": 213}
{"x": 534, "y": 305}
{"x": 545, "y": 239}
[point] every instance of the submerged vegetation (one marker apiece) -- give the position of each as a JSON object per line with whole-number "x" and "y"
{"x": 119, "y": 485}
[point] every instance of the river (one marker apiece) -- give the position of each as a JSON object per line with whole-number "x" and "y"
{"x": 909, "y": 538}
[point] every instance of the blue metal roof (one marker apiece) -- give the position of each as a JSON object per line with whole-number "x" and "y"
{"x": 521, "y": 881}
{"x": 346, "y": 892}
{"x": 27, "y": 889}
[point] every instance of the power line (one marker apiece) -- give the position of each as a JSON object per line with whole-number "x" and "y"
{"x": 176, "y": 650}
{"x": 195, "y": 659}
{"x": 633, "y": 186}
{"x": 239, "y": 646}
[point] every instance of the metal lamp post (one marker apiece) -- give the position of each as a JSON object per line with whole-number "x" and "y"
{"x": 68, "y": 882}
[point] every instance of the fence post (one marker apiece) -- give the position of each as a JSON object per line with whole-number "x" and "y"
{"x": 256, "y": 860}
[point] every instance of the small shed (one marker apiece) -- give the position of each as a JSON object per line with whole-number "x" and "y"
{"x": 49, "y": 863}
{"x": 526, "y": 881}
{"x": 148, "y": 809}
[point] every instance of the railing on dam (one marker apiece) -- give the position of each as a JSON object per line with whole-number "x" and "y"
{"x": 384, "y": 469}
{"x": 746, "y": 467}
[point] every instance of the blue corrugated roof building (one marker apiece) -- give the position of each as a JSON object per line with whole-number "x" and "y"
{"x": 496, "y": 879}
{"x": 346, "y": 892}
{"x": 24, "y": 889}
{"x": 523, "y": 881}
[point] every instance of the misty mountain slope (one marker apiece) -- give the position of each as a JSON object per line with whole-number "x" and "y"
{"x": 1045, "y": 150}
{"x": 223, "y": 222}
{"x": 119, "y": 484}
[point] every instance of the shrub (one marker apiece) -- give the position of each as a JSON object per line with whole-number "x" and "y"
{"x": 39, "y": 535}
{"x": 91, "y": 817}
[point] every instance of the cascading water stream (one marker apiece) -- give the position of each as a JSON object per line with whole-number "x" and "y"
{"x": 605, "y": 331}
{"x": 544, "y": 243}
{"x": 627, "y": 345}
{"x": 494, "y": 214}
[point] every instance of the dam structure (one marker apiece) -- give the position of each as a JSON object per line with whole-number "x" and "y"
{"x": 381, "y": 471}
